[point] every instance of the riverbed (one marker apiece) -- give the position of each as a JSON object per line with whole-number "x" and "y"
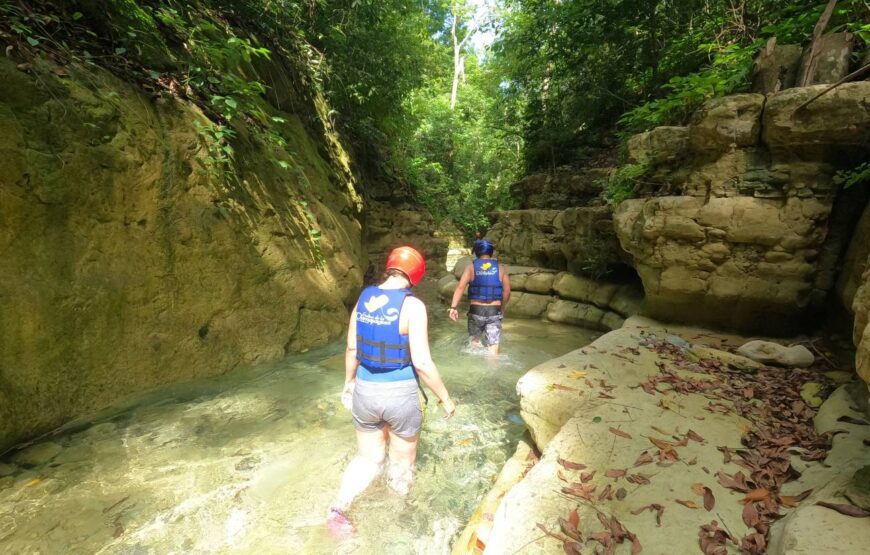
{"x": 249, "y": 462}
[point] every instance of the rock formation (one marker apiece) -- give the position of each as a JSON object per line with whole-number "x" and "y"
{"x": 746, "y": 244}
{"x": 125, "y": 262}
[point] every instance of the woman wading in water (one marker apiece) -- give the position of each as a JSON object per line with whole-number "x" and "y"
{"x": 387, "y": 349}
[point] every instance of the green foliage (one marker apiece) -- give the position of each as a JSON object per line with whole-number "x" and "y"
{"x": 623, "y": 183}
{"x": 857, "y": 175}
{"x": 581, "y": 66}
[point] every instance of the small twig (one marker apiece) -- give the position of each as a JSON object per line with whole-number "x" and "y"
{"x": 854, "y": 74}
{"x": 530, "y": 542}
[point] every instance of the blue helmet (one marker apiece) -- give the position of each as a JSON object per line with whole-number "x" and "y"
{"x": 483, "y": 247}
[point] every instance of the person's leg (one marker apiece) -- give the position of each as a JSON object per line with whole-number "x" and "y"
{"x": 493, "y": 333}
{"x": 364, "y": 468}
{"x": 475, "y": 330}
{"x": 403, "y": 453}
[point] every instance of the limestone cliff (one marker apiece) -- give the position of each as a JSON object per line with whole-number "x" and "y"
{"x": 742, "y": 229}
{"x": 126, "y": 263}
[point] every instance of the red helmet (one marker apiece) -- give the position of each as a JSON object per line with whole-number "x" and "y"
{"x": 408, "y": 261}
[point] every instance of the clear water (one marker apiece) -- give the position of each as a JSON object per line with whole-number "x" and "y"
{"x": 250, "y": 462}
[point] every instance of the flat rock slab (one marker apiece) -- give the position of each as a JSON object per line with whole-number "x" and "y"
{"x": 586, "y": 408}
{"x": 37, "y": 455}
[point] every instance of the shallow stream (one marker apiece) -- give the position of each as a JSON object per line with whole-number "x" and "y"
{"x": 249, "y": 462}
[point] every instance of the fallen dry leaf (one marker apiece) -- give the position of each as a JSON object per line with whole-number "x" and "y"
{"x": 694, "y": 436}
{"x": 698, "y": 488}
{"x": 709, "y": 499}
{"x": 620, "y": 433}
{"x": 845, "y": 509}
{"x": 750, "y": 515}
{"x": 553, "y": 386}
{"x": 759, "y": 494}
{"x": 686, "y": 503}
{"x": 660, "y": 510}
{"x": 586, "y": 476}
{"x": 644, "y": 458}
{"x": 570, "y": 465}
{"x": 792, "y": 501}
{"x": 615, "y": 473}
{"x": 577, "y": 374}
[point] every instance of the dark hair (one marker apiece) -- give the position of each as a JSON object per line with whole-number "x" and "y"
{"x": 395, "y": 272}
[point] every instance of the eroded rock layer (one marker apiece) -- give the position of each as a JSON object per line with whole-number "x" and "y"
{"x": 749, "y": 242}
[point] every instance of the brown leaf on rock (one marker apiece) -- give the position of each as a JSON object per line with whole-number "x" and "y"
{"x": 562, "y": 387}
{"x": 570, "y": 529}
{"x": 709, "y": 499}
{"x": 620, "y": 433}
{"x": 561, "y": 476}
{"x": 615, "y": 473}
{"x": 736, "y": 482}
{"x": 659, "y": 430}
{"x": 605, "y": 494}
{"x": 792, "y": 501}
{"x": 586, "y": 476}
{"x": 644, "y": 458}
{"x": 758, "y": 494}
{"x": 572, "y": 548}
{"x": 694, "y": 436}
{"x": 574, "y": 518}
{"x": 660, "y": 510}
{"x": 698, "y": 488}
{"x": 845, "y": 509}
{"x": 638, "y": 478}
{"x": 687, "y": 503}
{"x": 750, "y": 515}
{"x": 635, "y": 544}
{"x": 583, "y": 491}
{"x": 570, "y": 465}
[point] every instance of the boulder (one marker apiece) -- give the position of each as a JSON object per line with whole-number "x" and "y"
{"x": 540, "y": 282}
{"x": 578, "y": 314}
{"x": 578, "y": 288}
{"x": 612, "y": 321}
{"x": 37, "y": 455}
{"x": 831, "y": 55}
{"x": 738, "y": 362}
{"x": 727, "y": 122}
{"x": 528, "y": 305}
{"x": 447, "y": 285}
{"x": 839, "y": 118}
{"x": 768, "y": 352}
{"x": 7, "y": 470}
{"x": 461, "y": 265}
{"x": 775, "y": 68}
{"x": 660, "y": 144}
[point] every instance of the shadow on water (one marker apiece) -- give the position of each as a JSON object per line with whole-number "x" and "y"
{"x": 249, "y": 462}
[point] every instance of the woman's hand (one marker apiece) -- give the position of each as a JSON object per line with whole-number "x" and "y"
{"x": 449, "y": 407}
{"x": 347, "y": 394}
{"x": 453, "y": 313}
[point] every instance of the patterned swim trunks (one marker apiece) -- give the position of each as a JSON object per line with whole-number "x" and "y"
{"x": 484, "y": 324}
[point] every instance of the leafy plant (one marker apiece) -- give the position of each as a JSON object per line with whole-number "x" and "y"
{"x": 623, "y": 183}
{"x": 857, "y": 175}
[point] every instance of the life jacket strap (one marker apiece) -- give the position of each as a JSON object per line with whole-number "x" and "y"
{"x": 382, "y": 346}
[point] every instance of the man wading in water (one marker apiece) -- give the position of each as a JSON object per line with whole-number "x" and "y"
{"x": 489, "y": 292}
{"x": 387, "y": 348}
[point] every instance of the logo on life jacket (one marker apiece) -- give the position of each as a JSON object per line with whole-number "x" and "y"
{"x": 374, "y": 314}
{"x": 486, "y": 266}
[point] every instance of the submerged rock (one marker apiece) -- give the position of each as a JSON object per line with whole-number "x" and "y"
{"x": 36, "y": 455}
{"x": 768, "y": 352}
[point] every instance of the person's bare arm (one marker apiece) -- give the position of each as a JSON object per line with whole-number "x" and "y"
{"x": 418, "y": 337}
{"x": 505, "y": 291}
{"x": 464, "y": 280}
{"x": 350, "y": 361}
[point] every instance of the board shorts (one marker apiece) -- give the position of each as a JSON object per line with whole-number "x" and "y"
{"x": 484, "y": 323}
{"x": 397, "y": 404}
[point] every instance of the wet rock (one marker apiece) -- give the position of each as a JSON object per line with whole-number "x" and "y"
{"x": 840, "y": 377}
{"x": 36, "y": 455}
{"x": 7, "y": 470}
{"x": 578, "y": 288}
{"x": 768, "y": 352}
{"x": 612, "y": 321}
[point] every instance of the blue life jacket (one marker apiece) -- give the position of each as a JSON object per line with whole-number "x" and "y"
{"x": 486, "y": 285}
{"x": 384, "y": 354}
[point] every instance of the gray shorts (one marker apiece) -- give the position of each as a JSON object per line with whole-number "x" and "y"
{"x": 484, "y": 324}
{"x": 396, "y": 404}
